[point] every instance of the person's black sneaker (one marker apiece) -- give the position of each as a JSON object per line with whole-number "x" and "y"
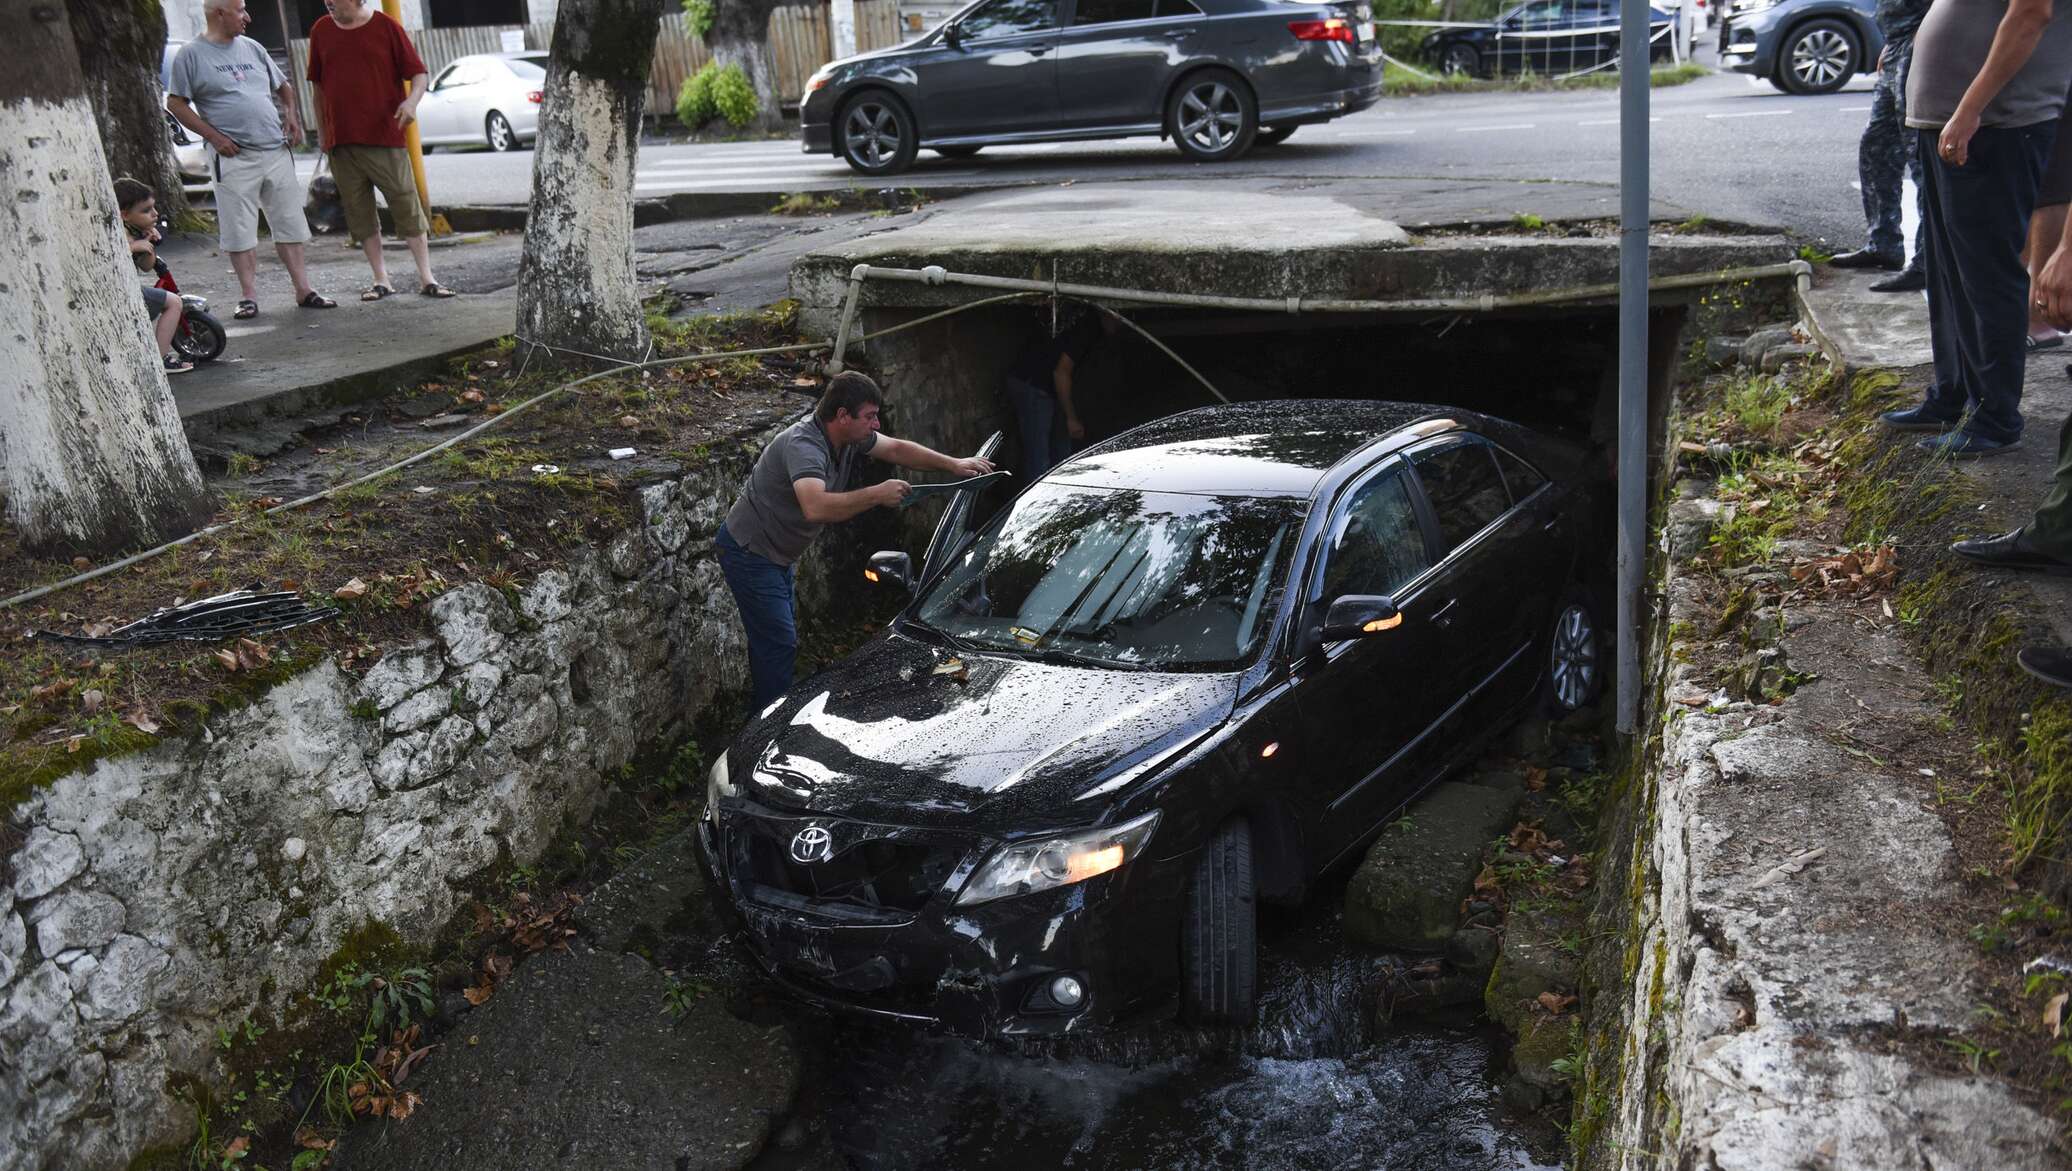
{"x": 1915, "y": 419}
{"x": 1912, "y": 280}
{"x": 1866, "y": 258}
{"x": 2011, "y": 550}
{"x": 2051, "y": 664}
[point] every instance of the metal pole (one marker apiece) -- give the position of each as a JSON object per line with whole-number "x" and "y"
{"x": 394, "y": 9}
{"x": 1633, "y": 348}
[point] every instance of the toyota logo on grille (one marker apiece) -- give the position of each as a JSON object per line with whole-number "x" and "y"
{"x": 813, "y": 844}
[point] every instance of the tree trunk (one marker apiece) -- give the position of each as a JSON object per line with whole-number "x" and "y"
{"x": 91, "y": 452}
{"x": 577, "y": 294}
{"x": 121, "y": 44}
{"x": 741, "y": 36}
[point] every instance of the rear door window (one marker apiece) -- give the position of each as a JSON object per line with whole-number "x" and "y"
{"x": 1111, "y": 11}
{"x": 1522, "y": 478}
{"x": 1466, "y": 491}
{"x": 1376, "y": 544}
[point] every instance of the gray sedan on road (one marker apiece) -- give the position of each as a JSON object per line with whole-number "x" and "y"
{"x": 1215, "y": 76}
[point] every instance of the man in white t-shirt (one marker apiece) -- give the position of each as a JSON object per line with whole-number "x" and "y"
{"x": 226, "y": 89}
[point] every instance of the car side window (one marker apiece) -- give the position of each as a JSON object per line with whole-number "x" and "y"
{"x": 1376, "y": 544}
{"x": 1522, "y": 478}
{"x": 1177, "y": 8}
{"x": 446, "y": 77}
{"x": 1466, "y": 491}
{"x": 1007, "y": 17}
{"x": 1111, "y": 11}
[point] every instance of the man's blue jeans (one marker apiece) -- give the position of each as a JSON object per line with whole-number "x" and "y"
{"x": 762, "y": 592}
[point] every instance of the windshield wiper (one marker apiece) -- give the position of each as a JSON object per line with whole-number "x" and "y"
{"x": 945, "y": 637}
{"x": 1075, "y": 659}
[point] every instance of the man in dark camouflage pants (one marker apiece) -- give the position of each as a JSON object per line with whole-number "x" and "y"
{"x": 1886, "y": 154}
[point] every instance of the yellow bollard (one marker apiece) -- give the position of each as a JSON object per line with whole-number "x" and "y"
{"x": 394, "y": 9}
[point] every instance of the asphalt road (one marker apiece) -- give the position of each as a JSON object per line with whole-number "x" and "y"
{"x": 1727, "y": 146}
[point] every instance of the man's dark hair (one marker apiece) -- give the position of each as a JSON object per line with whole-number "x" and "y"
{"x": 848, "y": 391}
{"x": 129, "y": 193}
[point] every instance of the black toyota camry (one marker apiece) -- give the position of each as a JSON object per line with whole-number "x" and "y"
{"x": 1186, "y": 670}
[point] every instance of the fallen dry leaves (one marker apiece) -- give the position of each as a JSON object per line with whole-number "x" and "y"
{"x": 1852, "y": 573}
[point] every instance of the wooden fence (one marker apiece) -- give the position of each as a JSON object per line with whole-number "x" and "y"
{"x": 800, "y": 38}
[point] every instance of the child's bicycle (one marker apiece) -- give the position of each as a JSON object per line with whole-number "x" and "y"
{"x": 201, "y": 337}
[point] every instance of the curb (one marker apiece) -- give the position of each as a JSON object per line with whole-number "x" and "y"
{"x": 702, "y": 205}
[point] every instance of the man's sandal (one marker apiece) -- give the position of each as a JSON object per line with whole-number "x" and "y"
{"x": 246, "y": 310}
{"x": 316, "y": 300}
{"x": 435, "y": 289}
{"x": 377, "y": 292}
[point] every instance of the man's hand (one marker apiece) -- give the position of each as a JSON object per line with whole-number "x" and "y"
{"x": 222, "y": 145}
{"x": 1880, "y": 66}
{"x": 1955, "y": 143}
{"x": 2053, "y": 290}
{"x": 1075, "y": 428}
{"x": 888, "y": 493}
{"x": 295, "y": 135}
{"x": 407, "y": 112}
{"x": 972, "y": 466}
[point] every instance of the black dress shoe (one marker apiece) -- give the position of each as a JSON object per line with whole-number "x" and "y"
{"x": 1865, "y": 258}
{"x": 2011, "y": 551}
{"x": 2051, "y": 664}
{"x": 1911, "y": 280}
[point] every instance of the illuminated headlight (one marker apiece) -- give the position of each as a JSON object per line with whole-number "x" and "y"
{"x": 1059, "y": 861}
{"x": 717, "y": 784}
{"x": 1753, "y": 5}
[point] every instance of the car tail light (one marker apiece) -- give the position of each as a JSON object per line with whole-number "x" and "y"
{"x": 1333, "y": 29}
{"x": 533, "y": 97}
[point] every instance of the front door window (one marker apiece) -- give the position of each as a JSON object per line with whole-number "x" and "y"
{"x": 1004, "y": 18}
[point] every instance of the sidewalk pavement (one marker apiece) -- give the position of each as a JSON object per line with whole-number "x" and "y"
{"x": 1863, "y": 330}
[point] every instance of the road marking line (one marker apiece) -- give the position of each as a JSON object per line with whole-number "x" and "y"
{"x": 1754, "y": 114}
{"x": 1853, "y": 109}
{"x": 1507, "y": 126}
{"x": 1608, "y": 122}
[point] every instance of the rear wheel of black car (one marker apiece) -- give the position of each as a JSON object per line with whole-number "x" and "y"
{"x": 1219, "y": 946}
{"x": 1575, "y": 656}
{"x": 1212, "y": 116}
{"x": 876, "y": 134}
{"x": 1818, "y": 57}
{"x": 1460, "y": 61}
{"x": 1272, "y": 135}
{"x": 956, "y": 152}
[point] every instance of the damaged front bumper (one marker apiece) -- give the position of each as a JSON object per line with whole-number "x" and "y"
{"x": 983, "y": 970}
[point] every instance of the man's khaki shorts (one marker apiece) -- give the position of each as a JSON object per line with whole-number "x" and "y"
{"x": 255, "y": 180}
{"x": 359, "y": 170}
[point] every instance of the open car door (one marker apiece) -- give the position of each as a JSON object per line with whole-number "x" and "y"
{"x": 955, "y": 524}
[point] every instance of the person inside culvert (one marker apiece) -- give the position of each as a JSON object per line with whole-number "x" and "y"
{"x": 799, "y": 484}
{"x": 1040, "y": 388}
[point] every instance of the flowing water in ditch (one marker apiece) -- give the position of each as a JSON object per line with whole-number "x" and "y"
{"x": 1312, "y": 1085}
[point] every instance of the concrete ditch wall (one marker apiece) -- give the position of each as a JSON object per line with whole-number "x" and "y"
{"x": 162, "y": 894}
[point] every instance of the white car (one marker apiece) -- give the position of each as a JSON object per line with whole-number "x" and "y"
{"x": 487, "y": 98}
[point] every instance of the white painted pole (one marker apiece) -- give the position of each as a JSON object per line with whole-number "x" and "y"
{"x": 842, "y": 18}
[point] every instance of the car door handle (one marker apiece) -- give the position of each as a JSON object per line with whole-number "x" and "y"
{"x": 1037, "y": 50}
{"x": 1178, "y": 34}
{"x": 1443, "y": 616}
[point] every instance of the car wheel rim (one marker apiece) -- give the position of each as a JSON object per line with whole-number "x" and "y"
{"x": 1211, "y": 116}
{"x": 1456, "y": 63}
{"x": 1819, "y": 56}
{"x": 872, "y": 134}
{"x": 1574, "y": 657}
{"x": 499, "y": 134}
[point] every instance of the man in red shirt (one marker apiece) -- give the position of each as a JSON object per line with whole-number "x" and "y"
{"x": 358, "y": 62}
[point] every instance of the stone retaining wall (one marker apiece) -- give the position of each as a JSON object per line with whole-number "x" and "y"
{"x": 162, "y": 894}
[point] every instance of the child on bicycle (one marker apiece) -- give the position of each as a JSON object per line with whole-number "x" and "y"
{"x": 140, "y": 220}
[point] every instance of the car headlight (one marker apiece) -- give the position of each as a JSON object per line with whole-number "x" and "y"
{"x": 820, "y": 78}
{"x": 1059, "y": 861}
{"x": 1745, "y": 6}
{"x": 717, "y": 784}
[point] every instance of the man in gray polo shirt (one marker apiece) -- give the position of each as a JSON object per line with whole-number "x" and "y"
{"x": 799, "y": 484}
{"x": 226, "y": 89}
{"x": 1984, "y": 91}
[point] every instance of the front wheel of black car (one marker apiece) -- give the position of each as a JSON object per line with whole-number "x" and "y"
{"x": 1219, "y": 947}
{"x": 876, "y": 134}
{"x": 1461, "y": 61}
{"x": 1212, "y": 116}
{"x": 1818, "y": 57}
{"x": 1575, "y": 656}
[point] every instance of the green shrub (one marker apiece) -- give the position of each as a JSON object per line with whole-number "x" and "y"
{"x": 722, "y": 91}
{"x": 698, "y": 14}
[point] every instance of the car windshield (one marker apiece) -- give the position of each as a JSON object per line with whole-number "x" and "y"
{"x": 1121, "y": 577}
{"x": 528, "y": 68}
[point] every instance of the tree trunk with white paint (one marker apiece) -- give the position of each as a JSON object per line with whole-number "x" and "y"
{"x": 577, "y": 293}
{"x": 741, "y": 36}
{"x": 121, "y": 46}
{"x": 91, "y": 452}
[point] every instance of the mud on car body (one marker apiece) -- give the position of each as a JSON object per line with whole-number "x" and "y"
{"x": 1188, "y": 669}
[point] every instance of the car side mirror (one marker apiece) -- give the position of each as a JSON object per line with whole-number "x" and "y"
{"x": 1359, "y": 616}
{"x": 893, "y": 566}
{"x": 952, "y": 35}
